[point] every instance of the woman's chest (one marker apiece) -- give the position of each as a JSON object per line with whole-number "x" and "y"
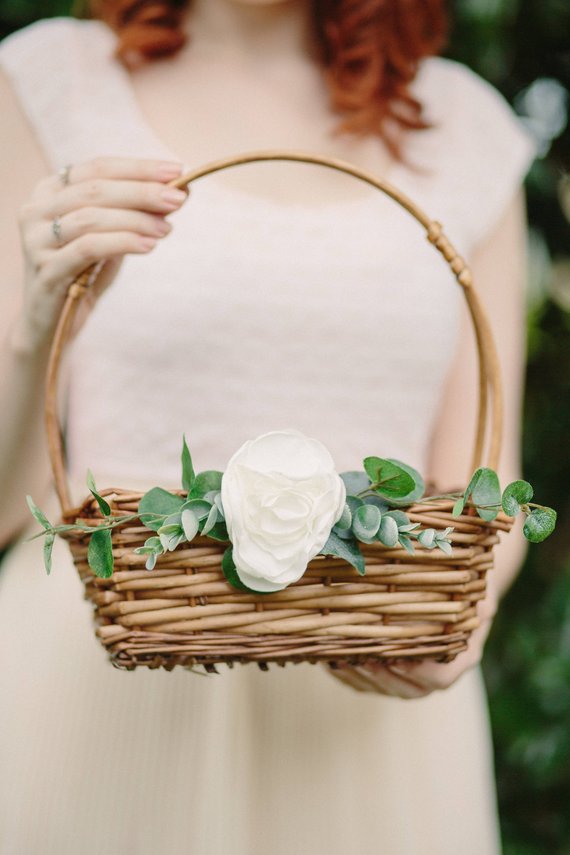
{"x": 203, "y": 110}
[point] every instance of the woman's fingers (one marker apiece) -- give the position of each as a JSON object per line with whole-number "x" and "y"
{"x": 378, "y": 678}
{"x": 84, "y": 220}
{"x": 111, "y": 193}
{"x": 70, "y": 260}
{"x": 118, "y": 168}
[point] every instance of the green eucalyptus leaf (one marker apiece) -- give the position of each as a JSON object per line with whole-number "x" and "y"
{"x": 218, "y": 502}
{"x": 211, "y": 520}
{"x": 353, "y": 503}
{"x": 388, "y": 532}
{"x": 170, "y": 529}
{"x": 366, "y": 522}
{"x": 39, "y": 515}
{"x": 171, "y": 537}
{"x": 348, "y": 550}
{"x": 400, "y": 517}
{"x": 103, "y": 505}
{"x": 515, "y": 494}
{"x": 445, "y": 546}
{"x": 345, "y": 520}
{"x": 418, "y": 488}
{"x": 539, "y": 524}
{"x": 188, "y": 474}
{"x": 406, "y": 542}
{"x": 458, "y": 507}
{"x": 392, "y": 481}
{"x": 486, "y": 491}
{"x": 355, "y": 481}
{"x": 219, "y": 532}
{"x": 427, "y": 538}
{"x": 158, "y": 501}
{"x": 378, "y": 502}
{"x": 199, "y": 507}
{"x": 211, "y": 479}
{"x": 407, "y": 528}
{"x": 151, "y": 544}
{"x": 230, "y": 572}
{"x": 151, "y": 561}
{"x": 100, "y": 553}
{"x": 48, "y": 546}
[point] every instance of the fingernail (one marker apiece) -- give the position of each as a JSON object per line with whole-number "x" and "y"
{"x": 168, "y": 170}
{"x": 163, "y": 227}
{"x": 147, "y": 242}
{"x": 173, "y": 196}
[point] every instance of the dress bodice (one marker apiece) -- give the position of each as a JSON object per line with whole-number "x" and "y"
{"x": 337, "y": 319}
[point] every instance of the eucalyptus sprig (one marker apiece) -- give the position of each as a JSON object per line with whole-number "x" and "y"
{"x": 484, "y": 494}
{"x": 375, "y": 497}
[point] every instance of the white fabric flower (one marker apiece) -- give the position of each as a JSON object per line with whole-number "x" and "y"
{"x": 281, "y": 497}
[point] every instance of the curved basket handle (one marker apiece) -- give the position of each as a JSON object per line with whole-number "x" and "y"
{"x": 489, "y": 374}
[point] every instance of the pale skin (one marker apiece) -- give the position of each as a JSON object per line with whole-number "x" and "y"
{"x": 251, "y": 76}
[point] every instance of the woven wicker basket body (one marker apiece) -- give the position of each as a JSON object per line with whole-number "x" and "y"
{"x": 184, "y": 612}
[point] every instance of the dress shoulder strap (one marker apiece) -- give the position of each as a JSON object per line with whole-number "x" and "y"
{"x": 73, "y": 90}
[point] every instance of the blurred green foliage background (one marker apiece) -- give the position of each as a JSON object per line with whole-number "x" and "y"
{"x": 523, "y": 48}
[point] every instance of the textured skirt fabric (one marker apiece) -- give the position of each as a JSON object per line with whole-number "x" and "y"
{"x": 244, "y": 762}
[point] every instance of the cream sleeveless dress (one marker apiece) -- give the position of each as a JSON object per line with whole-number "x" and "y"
{"x": 338, "y": 319}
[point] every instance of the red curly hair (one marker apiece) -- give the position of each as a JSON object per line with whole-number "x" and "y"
{"x": 369, "y": 51}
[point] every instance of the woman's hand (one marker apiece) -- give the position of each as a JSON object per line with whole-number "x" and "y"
{"x": 110, "y": 207}
{"x": 409, "y": 679}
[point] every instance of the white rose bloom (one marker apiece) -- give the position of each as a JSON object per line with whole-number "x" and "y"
{"x": 281, "y": 497}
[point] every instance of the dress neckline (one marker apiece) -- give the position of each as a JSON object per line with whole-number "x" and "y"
{"x": 125, "y": 89}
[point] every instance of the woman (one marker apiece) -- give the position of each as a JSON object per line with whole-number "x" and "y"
{"x": 240, "y": 321}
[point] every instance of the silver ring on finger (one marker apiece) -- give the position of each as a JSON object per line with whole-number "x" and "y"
{"x": 56, "y": 229}
{"x": 64, "y": 174}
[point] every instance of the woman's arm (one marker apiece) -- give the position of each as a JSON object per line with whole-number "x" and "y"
{"x": 499, "y": 274}
{"x": 111, "y": 207}
{"x": 24, "y": 462}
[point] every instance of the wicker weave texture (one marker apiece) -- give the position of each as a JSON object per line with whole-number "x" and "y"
{"x": 184, "y": 612}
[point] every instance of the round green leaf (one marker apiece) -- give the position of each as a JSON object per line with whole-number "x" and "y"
{"x": 427, "y": 538}
{"x": 515, "y": 494}
{"x": 158, "y": 502}
{"x": 366, "y": 522}
{"x": 400, "y": 517}
{"x": 388, "y": 532}
{"x": 539, "y": 524}
{"x": 486, "y": 491}
{"x": 355, "y": 482}
{"x": 418, "y": 489}
{"x": 211, "y": 479}
{"x": 392, "y": 480}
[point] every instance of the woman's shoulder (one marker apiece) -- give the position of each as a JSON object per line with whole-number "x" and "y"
{"x": 51, "y": 34}
{"x": 476, "y": 152}
{"x": 454, "y": 94}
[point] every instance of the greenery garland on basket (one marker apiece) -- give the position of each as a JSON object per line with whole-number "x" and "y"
{"x": 287, "y": 512}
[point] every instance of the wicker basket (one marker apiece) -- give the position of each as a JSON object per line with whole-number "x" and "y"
{"x": 184, "y": 612}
